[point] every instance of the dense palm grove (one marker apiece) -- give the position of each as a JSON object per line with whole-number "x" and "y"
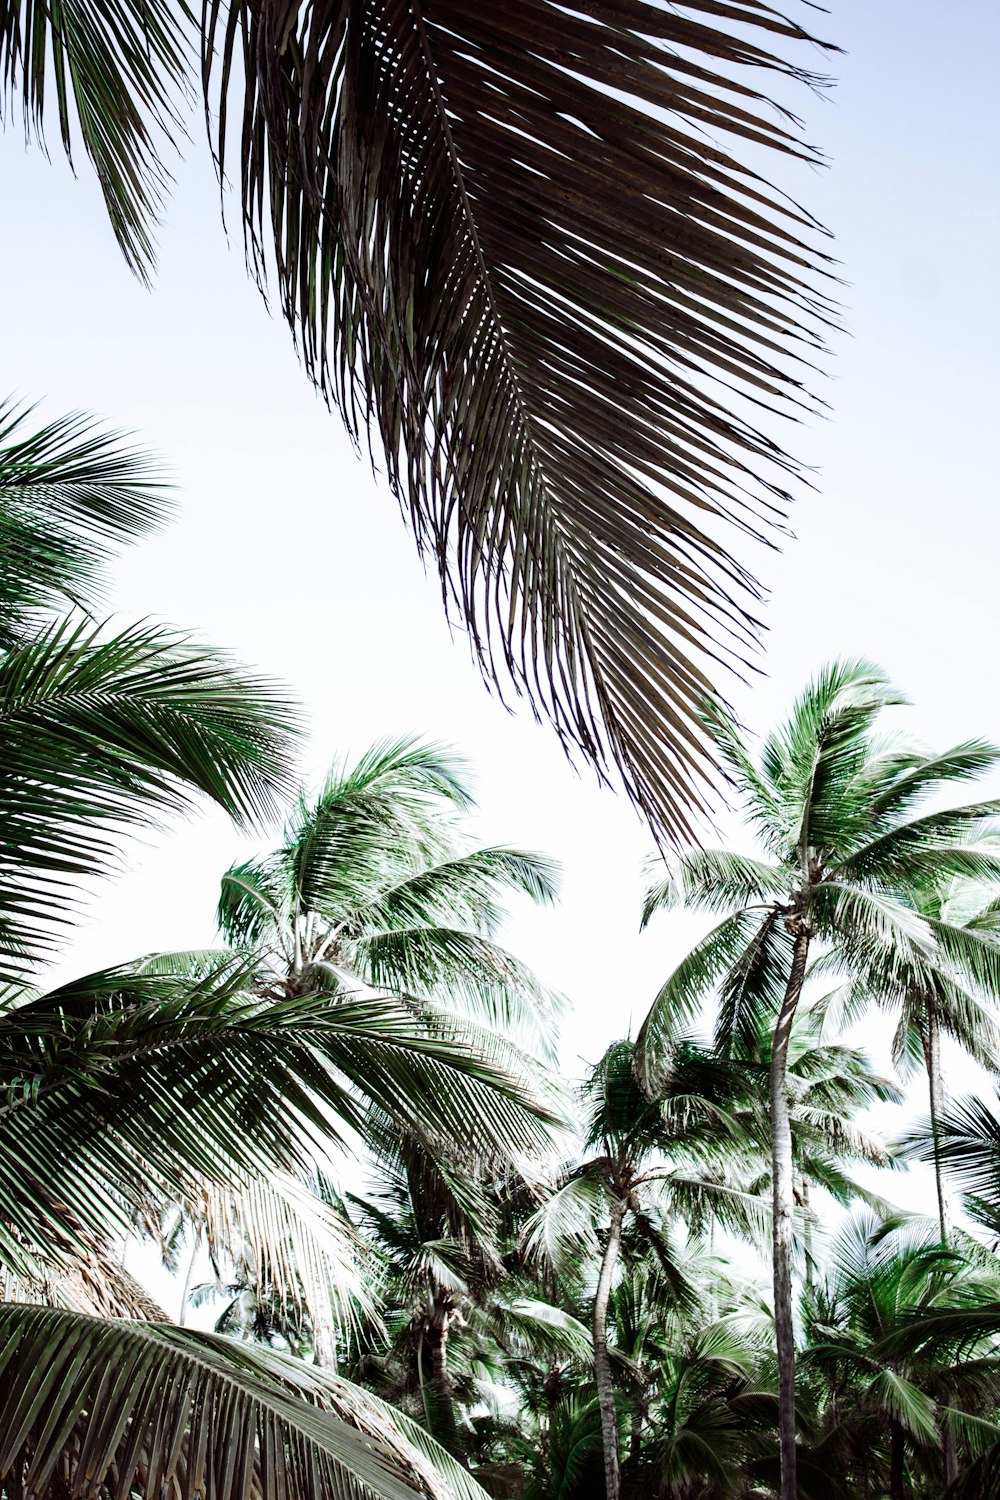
{"x": 531, "y": 251}
{"x": 434, "y": 1267}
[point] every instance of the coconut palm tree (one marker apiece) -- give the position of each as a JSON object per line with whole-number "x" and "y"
{"x": 833, "y": 808}
{"x": 463, "y": 1313}
{"x": 375, "y": 890}
{"x": 537, "y": 251}
{"x": 655, "y": 1163}
{"x": 138, "y": 1086}
{"x": 946, "y": 1003}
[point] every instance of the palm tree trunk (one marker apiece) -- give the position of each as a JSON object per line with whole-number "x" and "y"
{"x": 602, "y": 1360}
{"x": 783, "y": 1206}
{"x": 807, "y": 1231}
{"x": 445, "y": 1422}
{"x": 930, "y": 1035}
{"x": 897, "y": 1462}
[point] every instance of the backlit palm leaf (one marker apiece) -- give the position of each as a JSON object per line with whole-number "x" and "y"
{"x": 501, "y": 235}
{"x": 68, "y": 493}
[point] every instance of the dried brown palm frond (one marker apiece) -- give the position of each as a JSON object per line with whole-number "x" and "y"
{"x": 514, "y": 238}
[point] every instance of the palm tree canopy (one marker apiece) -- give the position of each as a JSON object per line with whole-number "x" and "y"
{"x": 848, "y": 850}
{"x": 375, "y": 887}
{"x": 539, "y": 253}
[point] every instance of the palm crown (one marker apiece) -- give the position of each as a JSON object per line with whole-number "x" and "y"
{"x": 374, "y": 889}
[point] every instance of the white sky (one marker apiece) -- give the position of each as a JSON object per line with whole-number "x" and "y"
{"x": 289, "y": 553}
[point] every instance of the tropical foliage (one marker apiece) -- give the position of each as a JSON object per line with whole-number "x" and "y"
{"x": 175, "y": 1083}
{"x": 432, "y": 1270}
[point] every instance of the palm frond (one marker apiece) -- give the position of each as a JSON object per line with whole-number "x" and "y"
{"x": 508, "y": 243}
{"x": 715, "y": 880}
{"x": 917, "y": 779}
{"x": 299, "y": 1248}
{"x": 69, "y": 493}
{"x": 101, "y": 731}
{"x": 91, "y": 1402}
{"x": 682, "y": 998}
{"x": 751, "y": 990}
{"x": 116, "y": 69}
{"x": 462, "y": 972}
{"x": 126, "y": 1087}
{"x": 560, "y": 1231}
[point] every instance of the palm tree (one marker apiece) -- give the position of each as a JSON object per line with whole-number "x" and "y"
{"x": 138, "y": 1086}
{"x": 536, "y": 252}
{"x": 946, "y": 1004}
{"x": 464, "y": 1316}
{"x": 656, "y": 1162}
{"x": 833, "y": 808}
{"x": 375, "y": 890}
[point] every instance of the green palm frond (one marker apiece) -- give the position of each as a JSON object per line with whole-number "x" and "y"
{"x": 812, "y": 761}
{"x": 938, "y": 846}
{"x": 436, "y": 186}
{"x": 461, "y": 972}
{"x": 69, "y": 493}
{"x": 126, "y": 1086}
{"x": 299, "y": 1246}
{"x": 969, "y": 1143}
{"x": 462, "y": 889}
{"x": 682, "y": 998}
{"x": 920, "y": 776}
{"x": 714, "y": 880}
{"x": 751, "y": 990}
{"x": 906, "y": 1404}
{"x": 100, "y": 731}
{"x": 560, "y": 1233}
{"x": 116, "y": 69}
{"x": 124, "y": 1403}
{"x": 254, "y": 903}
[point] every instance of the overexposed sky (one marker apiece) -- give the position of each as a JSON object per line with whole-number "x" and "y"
{"x": 287, "y": 551}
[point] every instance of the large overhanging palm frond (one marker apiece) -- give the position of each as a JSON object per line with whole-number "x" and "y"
{"x": 515, "y": 238}
{"x": 68, "y": 493}
{"x": 534, "y": 247}
{"x": 99, "y": 731}
{"x": 98, "y": 1407}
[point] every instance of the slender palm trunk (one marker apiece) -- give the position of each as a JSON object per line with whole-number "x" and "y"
{"x": 783, "y": 1206}
{"x": 444, "y": 1396}
{"x": 602, "y": 1360}
{"x": 897, "y": 1464}
{"x": 930, "y": 1035}
{"x": 807, "y": 1231}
